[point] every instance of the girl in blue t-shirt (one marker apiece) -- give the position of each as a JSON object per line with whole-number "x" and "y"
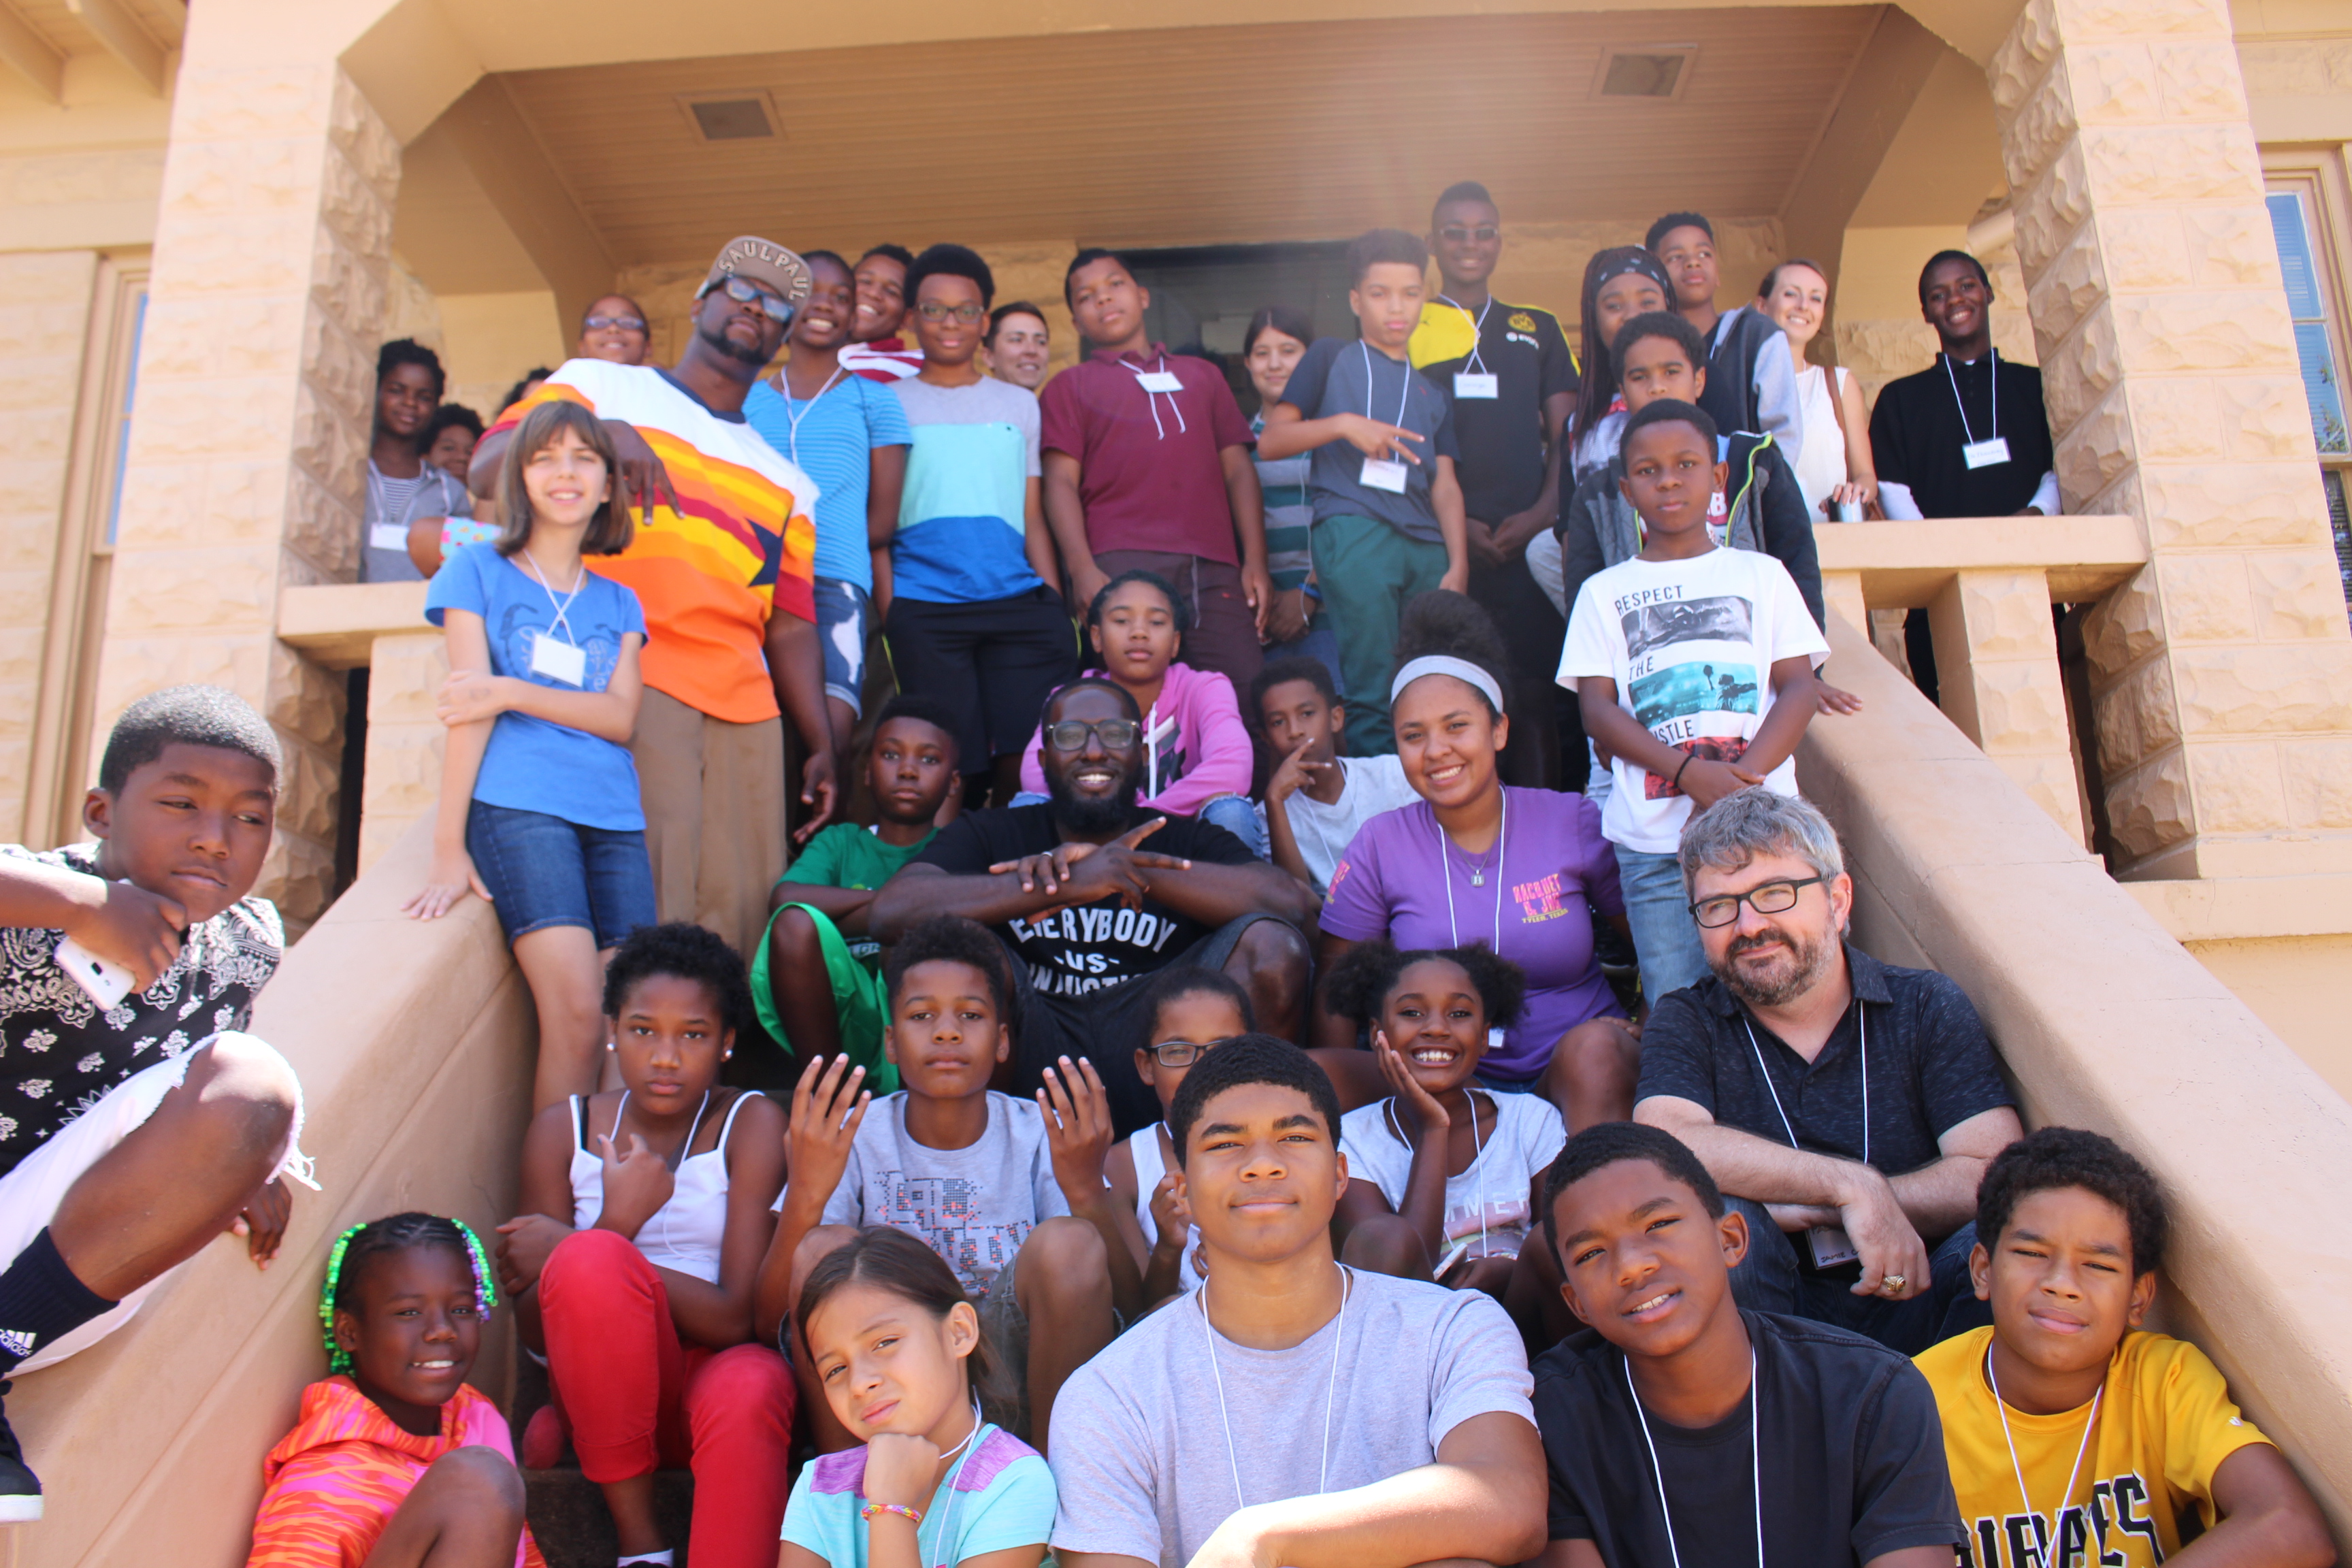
{"x": 540, "y": 812}
{"x": 893, "y": 1342}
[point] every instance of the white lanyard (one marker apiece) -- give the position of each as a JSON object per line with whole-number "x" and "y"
{"x": 1338, "y": 1341}
{"x": 1478, "y": 330}
{"x": 1994, "y": 433}
{"x": 1404, "y": 387}
{"x": 943, "y": 1544}
{"x": 1477, "y": 1148}
{"x": 1861, "y": 1022}
{"x": 1446, "y": 870}
{"x": 563, "y": 609}
{"x": 1152, "y": 398}
{"x": 1755, "y": 1459}
{"x": 2090, "y": 1425}
{"x": 792, "y": 420}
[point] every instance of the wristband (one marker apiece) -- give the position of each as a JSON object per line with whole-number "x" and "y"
{"x": 1310, "y": 590}
{"x": 912, "y": 1515}
{"x": 1677, "y": 781}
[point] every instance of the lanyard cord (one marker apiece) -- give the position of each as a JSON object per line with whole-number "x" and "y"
{"x": 792, "y": 420}
{"x": 1404, "y": 387}
{"x": 944, "y": 1541}
{"x": 1478, "y": 330}
{"x": 1861, "y": 1022}
{"x": 2090, "y": 1425}
{"x": 1755, "y": 1459}
{"x": 1338, "y": 1340}
{"x": 1445, "y": 870}
{"x": 1152, "y": 398}
{"x": 563, "y": 610}
{"x": 1477, "y": 1147}
{"x": 1994, "y": 433}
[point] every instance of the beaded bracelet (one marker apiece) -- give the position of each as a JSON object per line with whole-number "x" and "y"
{"x": 912, "y": 1515}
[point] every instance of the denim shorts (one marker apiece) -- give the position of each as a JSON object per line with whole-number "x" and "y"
{"x": 543, "y": 871}
{"x": 845, "y": 617}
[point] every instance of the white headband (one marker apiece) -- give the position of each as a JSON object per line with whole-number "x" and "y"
{"x": 1447, "y": 664}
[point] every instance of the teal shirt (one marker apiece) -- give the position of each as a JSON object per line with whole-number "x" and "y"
{"x": 998, "y": 1496}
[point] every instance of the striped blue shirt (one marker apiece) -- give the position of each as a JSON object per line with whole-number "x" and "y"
{"x": 833, "y": 445}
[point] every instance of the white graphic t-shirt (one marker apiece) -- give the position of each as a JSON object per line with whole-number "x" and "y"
{"x": 1691, "y": 646}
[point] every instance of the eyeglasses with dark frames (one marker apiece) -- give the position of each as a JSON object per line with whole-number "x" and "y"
{"x": 1070, "y": 734}
{"x": 1184, "y": 1053}
{"x": 1765, "y": 899}
{"x": 935, "y": 311}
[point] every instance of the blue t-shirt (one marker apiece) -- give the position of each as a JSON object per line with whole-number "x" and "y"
{"x": 838, "y": 430}
{"x": 531, "y": 764}
{"x": 963, "y": 519}
{"x": 1001, "y": 1497}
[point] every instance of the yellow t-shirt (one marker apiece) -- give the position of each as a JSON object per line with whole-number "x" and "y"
{"x": 2166, "y": 1423}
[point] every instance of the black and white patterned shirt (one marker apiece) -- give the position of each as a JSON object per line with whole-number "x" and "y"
{"x": 59, "y": 1055}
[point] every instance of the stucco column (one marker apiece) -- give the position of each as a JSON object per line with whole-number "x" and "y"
{"x": 2222, "y": 673}
{"x": 256, "y": 377}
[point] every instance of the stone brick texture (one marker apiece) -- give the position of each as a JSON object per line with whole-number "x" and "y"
{"x": 268, "y": 294}
{"x": 2222, "y": 674}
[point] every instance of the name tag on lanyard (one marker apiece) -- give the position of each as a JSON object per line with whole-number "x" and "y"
{"x": 559, "y": 660}
{"x": 1159, "y": 380}
{"x": 1385, "y": 474}
{"x": 1985, "y": 454}
{"x": 1476, "y": 384}
{"x": 388, "y": 536}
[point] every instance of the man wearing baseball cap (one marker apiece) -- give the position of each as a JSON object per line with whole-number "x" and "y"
{"x": 723, "y": 562}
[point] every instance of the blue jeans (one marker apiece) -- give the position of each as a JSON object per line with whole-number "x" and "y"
{"x": 1769, "y": 1280}
{"x": 844, "y": 616}
{"x": 1664, "y": 936}
{"x": 543, "y": 871}
{"x": 1233, "y": 813}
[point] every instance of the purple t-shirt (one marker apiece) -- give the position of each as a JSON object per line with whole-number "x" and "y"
{"x": 1389, "y": 882}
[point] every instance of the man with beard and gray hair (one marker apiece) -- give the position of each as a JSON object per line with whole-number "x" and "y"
{"x": 1847, "y": 1107}
{"x": 1092, "y": 897}
{"x": 723, "y": 562}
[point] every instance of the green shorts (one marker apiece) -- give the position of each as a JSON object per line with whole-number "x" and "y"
{"x": 858, "y": 1000}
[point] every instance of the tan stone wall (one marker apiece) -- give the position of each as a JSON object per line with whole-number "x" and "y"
{"x": 256, "y": 383}
{"x": 46, "y": 300}
{"x": 2223, "y": 673}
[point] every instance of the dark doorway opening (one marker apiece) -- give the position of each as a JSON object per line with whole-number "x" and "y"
{"x": 1202, "y": 297}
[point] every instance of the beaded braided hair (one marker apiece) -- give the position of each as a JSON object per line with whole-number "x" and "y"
{"x": 394, "y": 1233}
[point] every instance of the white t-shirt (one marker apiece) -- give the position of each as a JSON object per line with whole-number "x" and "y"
{"x": 1486, "y": 1213}
{"x": 1691, "y": 646}
{"x": 973, "y": 1206}
{"x": 1370, "y": 786}
{"x": 1147, "y": 1455}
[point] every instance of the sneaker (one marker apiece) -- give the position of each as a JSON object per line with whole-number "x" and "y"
{"x": 20, "y": 1489}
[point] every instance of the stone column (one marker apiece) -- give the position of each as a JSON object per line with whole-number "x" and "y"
{"x": 256, "y": 382}
{"x": 1997, "y": 660}
{"x": 2222, "y": 683}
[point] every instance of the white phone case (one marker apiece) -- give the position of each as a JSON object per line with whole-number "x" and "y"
{"x": 108, "y": 983}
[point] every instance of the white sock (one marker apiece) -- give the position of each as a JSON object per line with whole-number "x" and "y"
{"x": 662, "y": 1559}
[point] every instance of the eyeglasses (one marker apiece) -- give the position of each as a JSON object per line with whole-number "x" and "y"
{"x": 1455, "y": 234}
{"x": 1766, "y": 898}
{"x": 1070, "y": 734}
{"x": 1184, "y": 1053}
{"x": 743, "y": 291}
{"x": 626, "y": 324}
{"x": 935, "y": 311}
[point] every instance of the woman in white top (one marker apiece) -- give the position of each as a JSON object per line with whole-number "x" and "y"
{"x": 1834, "y": 458}
{"x": 645, "y": 1216}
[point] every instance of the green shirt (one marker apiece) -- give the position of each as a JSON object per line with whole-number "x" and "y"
{"x": 848, "y": 856}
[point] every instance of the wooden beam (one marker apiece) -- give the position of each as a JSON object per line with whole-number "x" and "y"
{"x": 31, "y": 54}
{"x": 116, "y": 28}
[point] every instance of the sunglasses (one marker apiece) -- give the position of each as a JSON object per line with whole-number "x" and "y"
{"x": 1070, "y": 734}
{"x": 777, "y": 308}
{"x": 1455, "y": 234}
{"x": 626, "y": 324}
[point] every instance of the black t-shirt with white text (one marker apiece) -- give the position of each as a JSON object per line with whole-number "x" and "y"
{"x": 1071, "y": 951}
{"x": 1849, "y": 1453}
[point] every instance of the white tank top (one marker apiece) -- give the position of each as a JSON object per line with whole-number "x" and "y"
{"x": 686, "y": 1233}
{"x": 1821, "y": 453}
{"x": 1143, "y": 1147}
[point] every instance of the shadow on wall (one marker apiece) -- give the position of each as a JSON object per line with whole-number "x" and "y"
{"x": 415, "y": 1043}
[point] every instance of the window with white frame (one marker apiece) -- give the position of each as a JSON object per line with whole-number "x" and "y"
{"x": 2301, "y": 225}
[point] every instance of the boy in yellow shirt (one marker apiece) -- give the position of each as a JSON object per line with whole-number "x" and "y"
{"x": 2073, "y": 1436}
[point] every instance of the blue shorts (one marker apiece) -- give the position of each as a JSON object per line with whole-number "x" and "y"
{"x": 845, "y": 618}
{"x": 543, "y": 871}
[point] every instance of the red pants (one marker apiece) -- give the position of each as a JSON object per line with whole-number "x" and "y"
{"x": 638, "y": 1398}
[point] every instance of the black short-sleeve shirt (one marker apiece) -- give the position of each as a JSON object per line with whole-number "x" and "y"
{"x": 1501, "y": 460}
{"x": 1849, "y": 1451}
{"x": 1921, "y": 425}
{"x": 1071, "y": 951}
{"x": 1931, "y": 1066}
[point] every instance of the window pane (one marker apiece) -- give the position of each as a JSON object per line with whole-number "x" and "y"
{"x": 122, "y": 417}
{"x": 2339, "y": 523}
{"x": 2295, "y": 256}
{"x": 2320, "y": 386}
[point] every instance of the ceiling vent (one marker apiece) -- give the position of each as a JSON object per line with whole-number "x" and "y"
{"x": 1661, "y": 72}
{"x": 735, "y": 117}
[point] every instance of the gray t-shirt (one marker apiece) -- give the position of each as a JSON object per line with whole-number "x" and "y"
{"x": 1146, "y": 1452}
{"x": 1336, "y": 376}
{"x": 973, "y": 1206}
{"x": 987, "y": 401}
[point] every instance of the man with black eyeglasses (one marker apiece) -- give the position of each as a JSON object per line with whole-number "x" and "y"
{"x": 1092, "y": 897}
{"x": 972, "y": 613}
{"x": 1847, "y": 1107}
